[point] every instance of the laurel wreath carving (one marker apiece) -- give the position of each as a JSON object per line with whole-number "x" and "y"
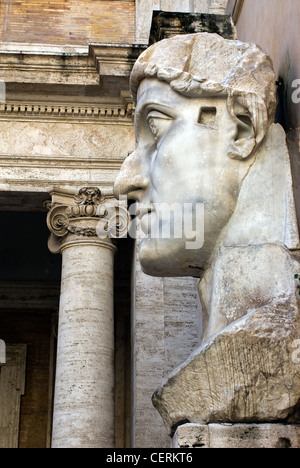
{"x": 87, "y": 232}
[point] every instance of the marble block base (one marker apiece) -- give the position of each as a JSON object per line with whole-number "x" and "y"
{"x": 237, "y": 436}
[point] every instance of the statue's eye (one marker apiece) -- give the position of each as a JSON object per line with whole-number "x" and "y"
{"x": 207, "y": 116}
{"x": 158, "y": 123}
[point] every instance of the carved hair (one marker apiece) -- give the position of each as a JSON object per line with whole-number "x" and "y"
{"x": 206, "y": 64}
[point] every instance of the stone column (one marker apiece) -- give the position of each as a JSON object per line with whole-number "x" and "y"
{"x": 84, "y": 388}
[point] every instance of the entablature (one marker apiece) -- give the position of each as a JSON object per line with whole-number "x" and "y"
{"x": 25, "y": 63}
{"x": 76, "y": 84}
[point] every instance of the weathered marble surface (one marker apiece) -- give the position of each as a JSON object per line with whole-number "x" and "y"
{"x": 65, "y": 139}
{"x": 206, "y": 134}
{"x": 237, "y": 436}
{"x": 244, "y": 374}
{"x": 36, "y": 156}
{"x": 144, "y": 9}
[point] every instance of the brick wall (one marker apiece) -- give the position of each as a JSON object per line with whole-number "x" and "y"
{"x": 75, "y": 22}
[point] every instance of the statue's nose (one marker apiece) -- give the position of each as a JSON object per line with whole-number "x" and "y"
{"x": 131, "y": 182}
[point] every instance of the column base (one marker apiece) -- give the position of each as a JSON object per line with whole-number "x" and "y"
{"x": 237, "y": 436}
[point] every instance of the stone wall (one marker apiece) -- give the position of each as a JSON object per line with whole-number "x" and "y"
{"x": 144, "y": 10}
{"x": 67, "y": 21}
{"x": 148, "y": 360}
{"x": 274, "y": 25}
{"x": 104, "y": 21}
{"x": 166, "y": 324}
{"x": 39, "y": 155}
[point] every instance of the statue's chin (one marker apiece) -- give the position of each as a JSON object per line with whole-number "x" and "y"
{"x": 169, "y": 258}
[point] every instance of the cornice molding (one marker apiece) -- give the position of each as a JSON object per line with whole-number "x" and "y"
{"x": 61, "y": 162}
{"x": 68, "y": 112}
{"x": 44, "y": 65}
{"x": 115, "y": 60}
{"x": 42, "y": 49}
{"x": 48, "y": 66}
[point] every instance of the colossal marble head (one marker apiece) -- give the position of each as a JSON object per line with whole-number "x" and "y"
{"x": 204, "y": 107}
{"x": 206, "y": 138}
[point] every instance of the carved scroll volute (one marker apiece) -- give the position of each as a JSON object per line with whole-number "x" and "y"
{"x": 57, "y": 221}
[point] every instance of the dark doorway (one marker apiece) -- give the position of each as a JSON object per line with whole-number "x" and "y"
{"x": 29, "y": 301}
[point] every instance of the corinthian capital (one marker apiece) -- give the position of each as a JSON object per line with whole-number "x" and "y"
{"x": 87, "y": 215}
{"x": 74, "y": 217}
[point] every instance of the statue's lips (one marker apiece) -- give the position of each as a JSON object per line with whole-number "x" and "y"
{"x": 144, "y": 210}
{"x": 144, "y": 214}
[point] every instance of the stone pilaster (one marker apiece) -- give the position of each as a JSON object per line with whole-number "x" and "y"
{"x": 84, "y": 388}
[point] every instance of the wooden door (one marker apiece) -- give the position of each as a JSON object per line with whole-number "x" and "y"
{"x": 12, "y": 387}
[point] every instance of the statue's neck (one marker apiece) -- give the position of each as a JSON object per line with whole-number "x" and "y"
{"x": 253, "y": 265}
{"x": 244, "y": 279}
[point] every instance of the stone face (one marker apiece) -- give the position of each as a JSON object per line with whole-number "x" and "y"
{"x": 175, "y": 131}
{"x": 192, "y": 65}
{"x": 195, "y": 96}
{"x": 205, "y": 136}
{"x": 237, "y": 436}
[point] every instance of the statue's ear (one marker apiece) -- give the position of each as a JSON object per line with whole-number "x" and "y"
{"x": 244, "y": 142}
